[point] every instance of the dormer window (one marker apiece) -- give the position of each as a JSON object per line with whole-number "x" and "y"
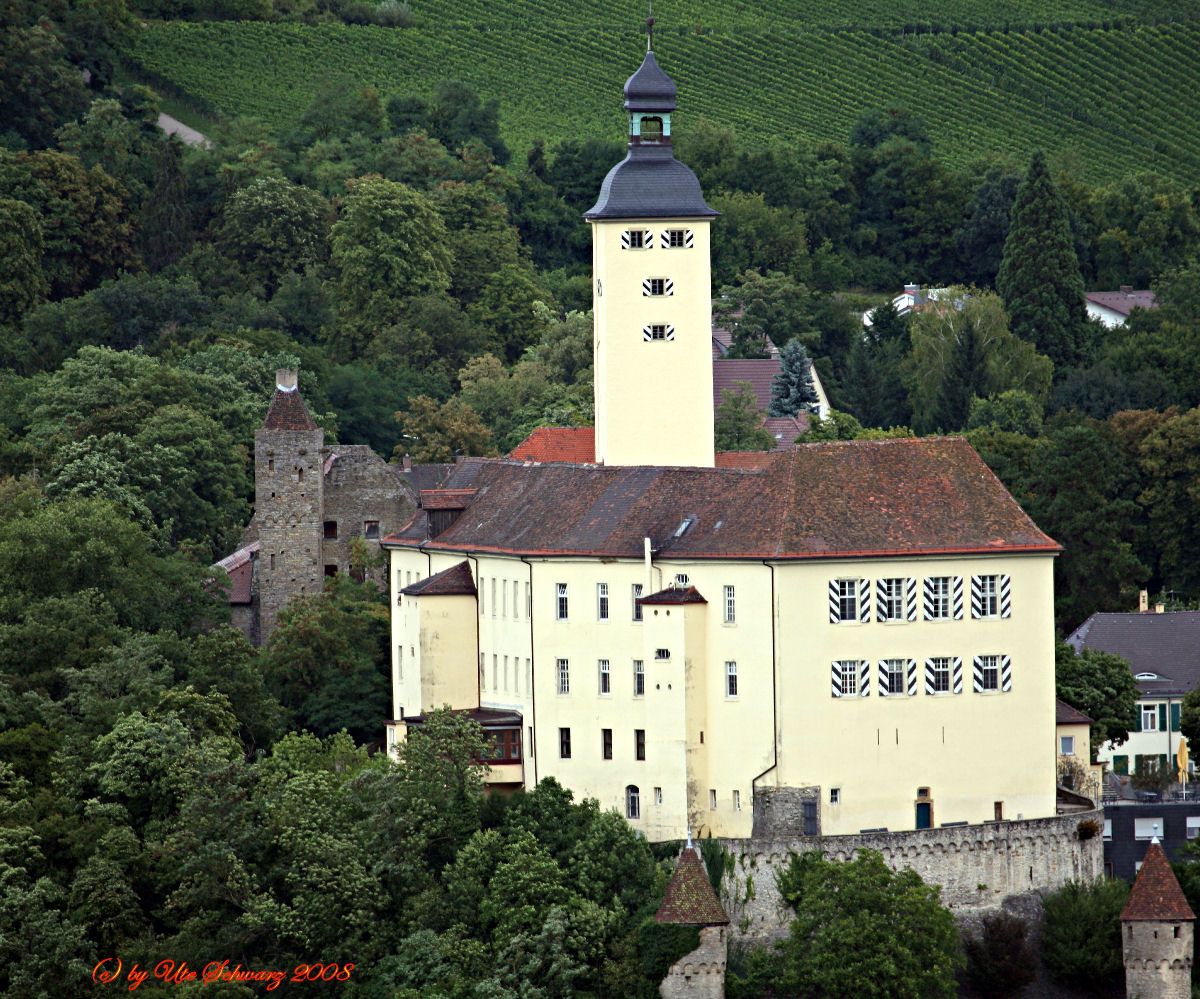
{"x": 1146, "y": 676}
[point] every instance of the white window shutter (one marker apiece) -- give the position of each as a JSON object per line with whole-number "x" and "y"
{"x": 688, "y": 238}
{"x": 880, "y": 605}
{"x": 646, "y": 292}
{"x": 625, "y": 240}
{"x": 647, "y": 333}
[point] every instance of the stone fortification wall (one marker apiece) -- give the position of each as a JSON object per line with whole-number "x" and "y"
{"x": 1158, "y": 964}
{"x": 978, "y": 867}
{"x": 699, "y": 974}
{"x": 360, "y": 487}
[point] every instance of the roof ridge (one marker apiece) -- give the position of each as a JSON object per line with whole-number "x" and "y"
{"x": 1156, "y": 895}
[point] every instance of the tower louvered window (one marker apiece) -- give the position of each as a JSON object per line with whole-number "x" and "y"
{"x": 658, "y": 331}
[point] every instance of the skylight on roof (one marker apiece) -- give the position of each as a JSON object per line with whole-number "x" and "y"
{"x": 683, "y": 526}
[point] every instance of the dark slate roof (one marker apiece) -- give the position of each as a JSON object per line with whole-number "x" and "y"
{"x": 487, "y": 717}
{"x": 456, "y": 581}
{"x": 690, "y": 899}
{"x": 932, "y": 495}
{"x": 650, "y": 184}
{"x": 1165, "y": 644}
{"x": 649, "y": 89}
{"x": 1156, "y": 896}
{"x": 675, "y": 595}
{"x": 288, "y": 412}
{"x": 1064, "y": 714}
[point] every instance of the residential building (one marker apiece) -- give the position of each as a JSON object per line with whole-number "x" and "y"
{"x": 1163, "y": 650}
{"x": 1113, "y": 307}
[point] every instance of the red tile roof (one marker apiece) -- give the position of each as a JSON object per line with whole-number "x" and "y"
{"x": 1064, "y": 714}
{"x": 1122, "y": 302}
{"x": 744, "y": 459}
{"x": 1156, "y": 895}
{"x": 690, "y": 899}
{"x": 574, "y": 444}
{"x": 456, "y": 581}
{"x": 446, "y": 499}
{"x": 900, "y": 496}
{"x": 288, "y": 412}
{"x": 675, "y": 595}
{"x": 240, "y": 566}
{"x": 760, "y": 373}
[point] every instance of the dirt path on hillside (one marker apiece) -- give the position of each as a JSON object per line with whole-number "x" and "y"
{"x": 173, "y": 126}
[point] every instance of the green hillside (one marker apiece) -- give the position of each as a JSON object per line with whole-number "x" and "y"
{"x": 1101, "y": 80}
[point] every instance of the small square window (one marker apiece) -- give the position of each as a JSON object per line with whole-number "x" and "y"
{"x": 662, "y": 653}
{"x": 331, "y": 571}
{"x": 656, "y": 286}
{"x": 1066, "y": 745}
{"x": 676, "y": 238}
{"x": 331, "y": 530}
{"x": 835, "y": 795}
{"x": 370, "y": 529}
{"x": 635, "y": 238}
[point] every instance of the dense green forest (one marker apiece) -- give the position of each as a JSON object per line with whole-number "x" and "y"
{"x": 166, "y": 789}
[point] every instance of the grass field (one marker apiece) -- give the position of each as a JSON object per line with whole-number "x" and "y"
{"x": 1107, "y": 83}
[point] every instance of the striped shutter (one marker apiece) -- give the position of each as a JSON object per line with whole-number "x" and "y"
{"x": 978, "y": 678}
{"x": 977, "y": 597}
{"x": 688, "y": 238}
{"x": 836, "y": 680}
{"x": 670, "y": 332}
{"x": 625, "y": 240}
{"x": 912, "y": 678}
{"x": 1005, "y": 596}
{"x": 668, "y": 287}
{"x": 884, "y": 691}
{"x": 956, "y": 675}
{"x": 864, "y": 600}
{"x": 880, "y": 610}
{"x": 930, "y": 688}
{"x": 930, "y": 597}
{"x": 1006, "y": 673}
{"x": 835, "y": 606}
{"x": 647, "y": 334}
{"x": 956, "y": 597}
{"x": 864, "y": 678}
{"x": 910, "y": 598}
{"x": 648, "y": 239}
{"x": 646, "y": 287}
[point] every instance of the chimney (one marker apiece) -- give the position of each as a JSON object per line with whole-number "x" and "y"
{"x": 1143, "y": 601}
{"x": 286, "y": 380}
{"x": 1159, "y": 608}
{"x": 407, "y": 464}
{"x": 1126, "y": 289}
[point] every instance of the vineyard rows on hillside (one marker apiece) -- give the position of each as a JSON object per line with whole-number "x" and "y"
{"x": 1109, "y": 98}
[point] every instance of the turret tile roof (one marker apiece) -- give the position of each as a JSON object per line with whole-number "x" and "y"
{"x": 690, "y": 899}
{"x": 456, "y": 581}
{"x": 1156, "y": 895}
{"x": 288, "y": 412}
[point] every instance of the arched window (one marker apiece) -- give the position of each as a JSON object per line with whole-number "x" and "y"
{"x": 633, "y": 802}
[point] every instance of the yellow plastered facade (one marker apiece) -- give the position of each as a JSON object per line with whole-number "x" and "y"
{"x": 653, "y": 398}
{"x": 707, "y": 750}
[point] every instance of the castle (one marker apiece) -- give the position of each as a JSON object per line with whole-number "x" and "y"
{"x": 841, "y": 638}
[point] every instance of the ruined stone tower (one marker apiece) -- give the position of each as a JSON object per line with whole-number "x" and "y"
{"x": 1156, "y": 933}
{"x": 288, "y": 496}
{"x": 691, "y": 901}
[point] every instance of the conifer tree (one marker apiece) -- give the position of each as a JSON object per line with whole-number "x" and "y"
{"x": 1039, "y": 277}
{"x": 166, "y": 219}
{"x": 792, "y": 390}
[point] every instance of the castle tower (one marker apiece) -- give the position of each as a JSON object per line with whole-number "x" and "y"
{"x": 690, "y": 901}
{"x": 288, "y": 487}
{"x": 1156, "y": 932}
{"x": 652, "y": 296}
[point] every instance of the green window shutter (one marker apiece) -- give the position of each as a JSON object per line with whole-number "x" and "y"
{"x": 1137, "y": 718}
{"x": 1120, "y": 764}
{"x": 1175, "y": 716}
{"x": 1162, "y": 717}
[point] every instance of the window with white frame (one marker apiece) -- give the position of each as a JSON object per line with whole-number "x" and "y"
{"x": 731, "y": 688}
{"x": 985, "y": 596}
{"x": 656, "y": 331}
{"x": 495, "y": 671}
{"x": 505, "y": 673}
{"x": 605, "y": 672}
{"x": 939, "y": 670}
{"x": 730, "y": 606}
{"x": 637, "y": 595}
{"x": 1108, "y": 828}
{"x": 849, "y": 673}
{"x": 890, "y": 599}
{"x": 482, "y": 596}
{"x": 639, "y": 678}
{"x": 937, "y": 598}
{"x": 635, "y": 239}
{"x": 737, "y": 801}
{"x": 989, "y": 673}
{"x": 564, "y": 676}
{"x": 675, "y": 239}
{"x": 681, "y": 580}
{"x": 528, "y": 599}
{"x": 561, "y": 605}
{"x": 602, "y": 601}
{"x": 493, "y": 596}
{"x": 654, "y": 287}
{"x": 633, "y": 802}
{"x": 504, "y": 598}
{"x": 894, "y": 672}
{"x": 1193, "y": 826}
{"x": 1148, "y": 827}
{"x": 1149, "y": 717}
{"x": 516, "y": 599}
{"x": 845, "y": 600}
{"x": 1066, "y": 745}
